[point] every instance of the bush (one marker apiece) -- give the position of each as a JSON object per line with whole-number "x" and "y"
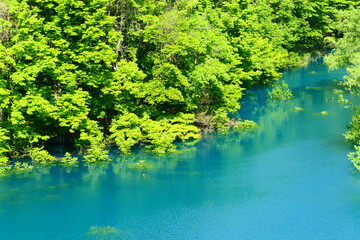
{"x": 281, "y": 92}
{"x": 97, "y": 154}
{"x": 38, "y": 155}
{"x": 246, "y": 124}
{"x": 4, "y": 166}
{"x": 355, "y": 157}
{"x": 353, "y": 133}
{"x": 22, "y": 167}
{"x": 69, "y": 161}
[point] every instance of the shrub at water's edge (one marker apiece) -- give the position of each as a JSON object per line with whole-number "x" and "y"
{"x": 281, "y": 92}
{"x": 246, "y": 124}
{"x": 355, "y": 157}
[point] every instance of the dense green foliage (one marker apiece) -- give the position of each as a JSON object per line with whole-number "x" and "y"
{"x": 281, "y": 92}
{"x": 355, "y": 157}
{"x": 353, "y": 135}
{"x": 347, "y": 54}
{"x": 97, "y": 72}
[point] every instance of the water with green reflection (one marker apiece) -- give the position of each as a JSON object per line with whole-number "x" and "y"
{"x": 289, "y": 179}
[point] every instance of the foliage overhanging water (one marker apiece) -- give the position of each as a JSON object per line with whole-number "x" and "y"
{"x": 289, "y": 179}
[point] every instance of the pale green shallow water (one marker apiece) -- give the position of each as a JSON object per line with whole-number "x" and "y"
{"x": 290, "y": 179}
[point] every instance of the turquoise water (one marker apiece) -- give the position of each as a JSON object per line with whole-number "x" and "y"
{"x": 289, "y": 179}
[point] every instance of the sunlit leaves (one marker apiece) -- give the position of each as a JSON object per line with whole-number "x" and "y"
{"x": 130, "y": 129}
{"x": 347, "y": 52}
{"x": 153, "y": 72}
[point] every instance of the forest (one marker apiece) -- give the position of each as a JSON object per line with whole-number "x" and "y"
{"x": 124, "y": 73}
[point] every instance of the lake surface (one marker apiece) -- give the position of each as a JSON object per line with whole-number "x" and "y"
{"x": 289, "y": 179}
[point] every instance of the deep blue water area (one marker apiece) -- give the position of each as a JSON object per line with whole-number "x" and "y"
{"x": 288, "y": 179}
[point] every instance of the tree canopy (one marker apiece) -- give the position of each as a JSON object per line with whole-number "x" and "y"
{"x": 124, "y": 72}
